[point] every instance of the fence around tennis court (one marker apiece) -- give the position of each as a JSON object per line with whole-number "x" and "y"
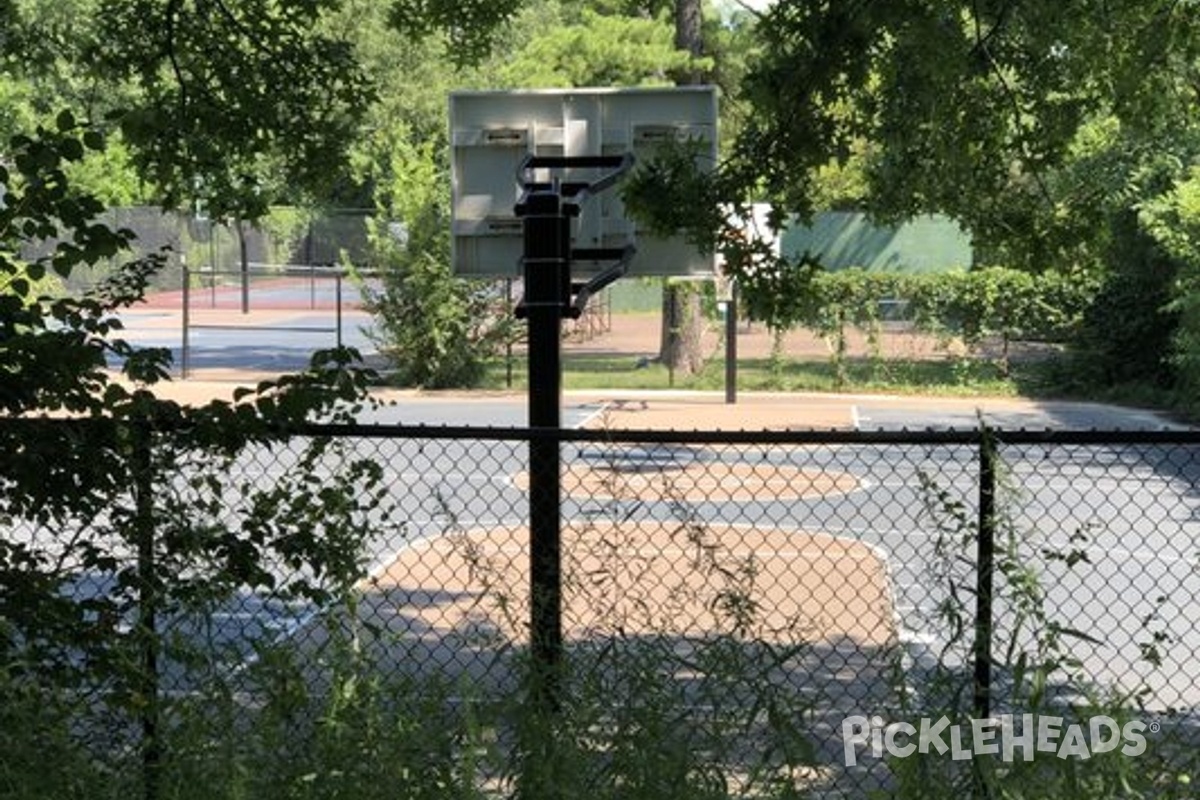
{"x": 350, "y": 607}
{"x": 275, "y": 286}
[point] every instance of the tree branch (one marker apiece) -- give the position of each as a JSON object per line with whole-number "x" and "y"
{"x": 176, "y": 69}
{"x": 983, "y": 47}
{"x": 749, "y": 9}
{"x": 243, "y": 30}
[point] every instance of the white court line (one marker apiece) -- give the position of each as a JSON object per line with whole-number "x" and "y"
{"x": 587, "y": 420}
{"x": 1102, "y": 552}
{"x": 684, "y": 551}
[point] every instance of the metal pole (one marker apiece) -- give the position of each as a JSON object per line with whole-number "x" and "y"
{"x": 670, "y": 307}
{"x": 985, "y": 565}
{"x": 212, "y": 260}
{"x": 243, "y": 250}
{"x": 141, "y": 461}
{"x": 508, "y": 343}
{"x": 731, "y": 312}
{"x": 547, "y": 256}
{"x": 337, "y": 300}
{"x": 183, "y": 352}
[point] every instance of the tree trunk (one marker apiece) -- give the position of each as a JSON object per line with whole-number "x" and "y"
{"x": 682, "y": 329}
{"x": 682, "y": 320}
{"x": 689, "y": 37}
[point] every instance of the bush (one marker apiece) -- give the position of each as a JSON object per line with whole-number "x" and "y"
{"x": 437, "y": 331}
{"x": 1126, "y": 334}
{"x": 1000, "y": 303}
{"x": 975, "y": 306}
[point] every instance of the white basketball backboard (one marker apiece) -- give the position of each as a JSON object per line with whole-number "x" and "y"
{"x": 492, "y": 132}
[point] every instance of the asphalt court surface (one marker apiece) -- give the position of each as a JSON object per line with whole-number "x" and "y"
{"x": 1138, "y": 548}
{"x": 224, "y": 342}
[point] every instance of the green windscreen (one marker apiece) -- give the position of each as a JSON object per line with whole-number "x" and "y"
{"x": 844, "y": 239}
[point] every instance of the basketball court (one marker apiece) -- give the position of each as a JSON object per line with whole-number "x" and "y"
{"x": 626, "y": 575}
{"x": 647, "y": 578}
{"x": 842, "y": 556}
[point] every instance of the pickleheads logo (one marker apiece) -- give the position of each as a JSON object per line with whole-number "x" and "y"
{"x": 1005, "y": 735}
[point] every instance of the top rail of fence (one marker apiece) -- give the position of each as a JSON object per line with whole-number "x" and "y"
{"x": 758, "y": 437}
{"x": 289, "y": 270}
{"x": 962, "y": 436}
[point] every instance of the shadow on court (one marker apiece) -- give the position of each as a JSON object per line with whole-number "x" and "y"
{"x": 753, "y": 660}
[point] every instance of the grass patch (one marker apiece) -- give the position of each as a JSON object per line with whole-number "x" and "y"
{"x": 961, "y": 377}
{"x": 1053, "y": 377}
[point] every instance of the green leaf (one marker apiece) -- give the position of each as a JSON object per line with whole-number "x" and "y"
{"x": 71, "y": 149}
{"x": 1078, "y": 634}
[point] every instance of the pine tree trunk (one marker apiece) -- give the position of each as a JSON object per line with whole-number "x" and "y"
{"x": 689, "y": 37}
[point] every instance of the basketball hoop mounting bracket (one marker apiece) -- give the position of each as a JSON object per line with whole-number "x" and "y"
{"x": 545, "y": 209}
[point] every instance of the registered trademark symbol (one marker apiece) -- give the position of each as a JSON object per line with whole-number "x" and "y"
{"x": 1155, "y": 727}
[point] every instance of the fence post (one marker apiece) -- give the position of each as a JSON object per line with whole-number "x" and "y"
{"x": 186, "y": 301}
{"x": 244, "y": 252}
{"x": 731, "y": 356}
{"x": 985, "y": 565}
{"x": 508, "y": 343}
{"x": 141, "y": 463}
{"x": 337, "y": 302}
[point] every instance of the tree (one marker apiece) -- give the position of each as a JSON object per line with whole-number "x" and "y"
{"x": 231, "y": 106}
{"x": 968, "y": 106}
{"x": 104, "y": 484}
{"x": 1173, "y": 220}
{"x": 599, "y": 50}
{"x": 438, "y": 328}
{"x": 1042, "y": 128}
{"x": 682, "y": 315}
{"x": 237, "y": 106}
{"x": 218, "y": 107}
{"x": 437, "y": 331}
{"x": 197, "y": 91}
{"x": 469, "y": 26}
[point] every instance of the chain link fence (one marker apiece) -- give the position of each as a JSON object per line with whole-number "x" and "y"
{"x": 348, "y": 611}
{"x": 286, "y": 236}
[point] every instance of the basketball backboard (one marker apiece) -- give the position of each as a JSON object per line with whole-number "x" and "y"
{"x": 491, "y": 132}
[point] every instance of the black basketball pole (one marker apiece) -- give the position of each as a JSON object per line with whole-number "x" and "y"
{"x": 547, "y": 271}
{"x": 546, "y": 210}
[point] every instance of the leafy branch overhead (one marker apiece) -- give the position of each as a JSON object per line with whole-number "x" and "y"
{"x": 470, "y": 26}
{"x": 967, "y": 107}
{"x": 119, "y": 470}
{"x": 233, "y": 97}
{"x": 675, "y": 193}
